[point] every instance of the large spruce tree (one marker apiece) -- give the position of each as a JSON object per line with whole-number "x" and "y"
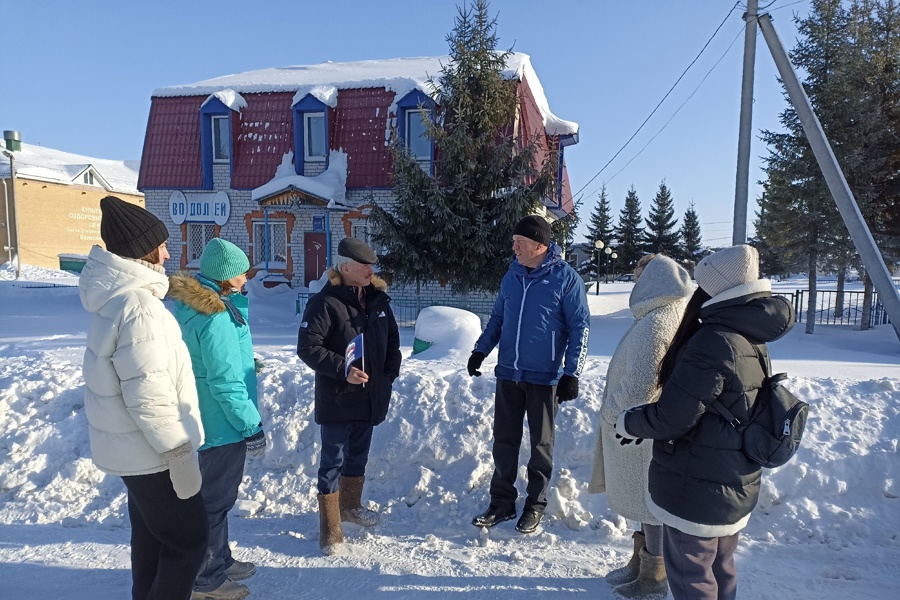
{"x": 456, "y": 225}
{"x": 600, "y": 226}
{"x": 691, "y": 250}
{"x": 661, "y": 234}
{"x": 629, "y": 233}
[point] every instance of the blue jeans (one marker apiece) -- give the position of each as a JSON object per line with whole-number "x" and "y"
{"x": 345, "y": 451}
{"x": 222, "y": 468}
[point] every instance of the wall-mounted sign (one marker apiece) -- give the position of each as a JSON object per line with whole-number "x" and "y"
{"x": 318, "y": 223}
{"x": 199, "y": 207}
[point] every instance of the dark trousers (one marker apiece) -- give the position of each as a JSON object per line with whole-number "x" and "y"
{"x": 700, "y": 568}
{"x": 168, "y": 538}
{"x": 222, "y": 468}
{"x": 514, "y": 401}
{"x": 345, "y": 451}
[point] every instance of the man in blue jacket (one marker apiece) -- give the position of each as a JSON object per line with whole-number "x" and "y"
{"x": 540, "y": 316}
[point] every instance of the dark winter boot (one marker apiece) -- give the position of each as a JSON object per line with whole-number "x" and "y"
{"x": 352, "y": 509}
{"x": 331, "y": 534}
{"x": 630, "y": 571}
{"x": 651, "y": 583}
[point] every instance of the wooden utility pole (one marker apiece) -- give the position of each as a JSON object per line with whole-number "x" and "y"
{"x": 742, "y": 183}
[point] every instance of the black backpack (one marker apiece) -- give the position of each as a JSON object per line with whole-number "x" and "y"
{"x": 772, "y": 435}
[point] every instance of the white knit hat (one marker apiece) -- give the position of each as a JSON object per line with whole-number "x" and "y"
{"x": 727, "y": 269}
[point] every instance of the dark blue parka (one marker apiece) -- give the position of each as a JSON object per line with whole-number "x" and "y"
{"x": 333, "y": 317}
{"x": 538, "y": 319}
{"x": 700, "y": 482}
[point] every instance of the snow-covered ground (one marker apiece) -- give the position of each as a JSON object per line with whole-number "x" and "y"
{"x": 827, "y": 525}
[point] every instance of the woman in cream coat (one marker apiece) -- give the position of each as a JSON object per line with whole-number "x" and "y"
{"x": 661, "y": 292}
{"x": 141, "y": 401}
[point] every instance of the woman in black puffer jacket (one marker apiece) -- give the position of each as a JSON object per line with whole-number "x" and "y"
{"x": 701, "y": 485}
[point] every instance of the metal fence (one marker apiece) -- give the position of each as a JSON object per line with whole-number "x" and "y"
{"x": 406, "y": 310}
{"x": 837, "y": 308}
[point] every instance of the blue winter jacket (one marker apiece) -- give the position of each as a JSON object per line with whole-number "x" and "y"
{"x": 538, "y": 318}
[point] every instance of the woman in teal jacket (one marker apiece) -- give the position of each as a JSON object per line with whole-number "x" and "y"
{"x": 213, "y": 317}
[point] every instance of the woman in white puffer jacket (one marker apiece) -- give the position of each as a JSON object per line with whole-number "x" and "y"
{"x": 141, "y": 401}
{"x": 658, "y": 299}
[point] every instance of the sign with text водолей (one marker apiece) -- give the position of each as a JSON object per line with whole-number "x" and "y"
{"x": 199, "y": 207}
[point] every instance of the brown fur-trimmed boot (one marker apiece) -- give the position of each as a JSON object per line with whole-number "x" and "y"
{"x": 631, "y": 570}
{"x": 331, "y": 533}
{"x": 651, "y": 583}
{"x": 352, "y": 509}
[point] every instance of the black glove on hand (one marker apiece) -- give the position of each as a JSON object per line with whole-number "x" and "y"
{"x": 256, "y": 444}
{"x": 475, "y": 363}
{"x": 567, "y": 388}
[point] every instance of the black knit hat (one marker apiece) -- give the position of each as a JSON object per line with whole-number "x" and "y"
{"x": 128, "y": 230}
{"x": 534, "y": 228}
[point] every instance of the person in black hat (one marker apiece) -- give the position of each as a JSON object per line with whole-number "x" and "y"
{"x": 141, "y": 400}
{"x": 350, "y": 398}
{"x": 540, "y": 321}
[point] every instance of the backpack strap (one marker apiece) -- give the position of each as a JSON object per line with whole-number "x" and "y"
{"x": 727, "y": 414}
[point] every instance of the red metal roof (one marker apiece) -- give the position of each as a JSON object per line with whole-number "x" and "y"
{"x": 359, "y": 130}
{"x": 171, "y": 157}
{"x": 265, "y": 135}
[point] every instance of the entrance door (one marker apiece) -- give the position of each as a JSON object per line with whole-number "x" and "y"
{"x": 315, "y": 256}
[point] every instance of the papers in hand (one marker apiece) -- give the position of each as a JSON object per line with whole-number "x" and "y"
{"x": 354, "y": 353}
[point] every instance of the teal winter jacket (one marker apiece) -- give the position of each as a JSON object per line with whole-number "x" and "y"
{"x": 216, "y": 330}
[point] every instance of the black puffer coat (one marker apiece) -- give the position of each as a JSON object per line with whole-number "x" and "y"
{"x": 333, "y": 317}
{"x": 699, "y": 480}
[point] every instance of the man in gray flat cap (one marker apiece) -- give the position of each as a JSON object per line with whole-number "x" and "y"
{"x": 350, "y": 398}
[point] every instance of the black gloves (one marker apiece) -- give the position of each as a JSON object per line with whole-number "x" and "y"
{"x": 256, "y": 444}
{"x": 622, "y": 434}
{"x": 475, "y": 363}
{"x": 567, "y": 388}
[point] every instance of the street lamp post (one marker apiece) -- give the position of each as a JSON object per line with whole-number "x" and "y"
{"x": 608, "y": 251}
{"x": 614, "y": 257}
{"x": 599, "y": 246}
{"x": 11, "y": 201}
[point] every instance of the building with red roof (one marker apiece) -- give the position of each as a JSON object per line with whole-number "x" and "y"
{"x": 285, "y": 162}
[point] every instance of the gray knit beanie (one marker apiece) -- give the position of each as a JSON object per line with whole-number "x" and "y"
{"x": 221, "y": 260}
{"x": 727, "y": 269}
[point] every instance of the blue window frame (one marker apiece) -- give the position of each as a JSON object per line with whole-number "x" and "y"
{"x": 215, "y": 139}
{"x": 412, "y": 110}
{"x": 310, "y": 132}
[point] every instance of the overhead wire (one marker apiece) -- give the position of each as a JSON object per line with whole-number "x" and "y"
{"x": 666, "y": 124}
{"x": 696, "y": 58}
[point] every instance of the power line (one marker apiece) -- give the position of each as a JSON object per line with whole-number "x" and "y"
{"x": 661, "y": 101}
{"x": 666, "y": 124}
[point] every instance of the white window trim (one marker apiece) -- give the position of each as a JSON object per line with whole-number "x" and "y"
{"x": 213, "y": 122}
{"x": 261, "y": 260}
{"x": 307, "y": 116}
{"x": 195, "y": 263}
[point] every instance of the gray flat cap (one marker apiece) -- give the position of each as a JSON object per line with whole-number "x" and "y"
{"x": 356, "y": 250}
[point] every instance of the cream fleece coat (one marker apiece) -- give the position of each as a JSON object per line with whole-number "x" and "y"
{"x": 139, "y": 397}
{"x": 657, "y": 302}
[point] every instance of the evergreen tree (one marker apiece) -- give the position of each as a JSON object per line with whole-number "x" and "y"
{"x": 661, "y": 235}
{"x": 457, "y": 225}
{"x": 600, "y": 226}
{"x": 629, "y": 233}
{"x": 691, "y": 250}
{"x": 562, "y": 230}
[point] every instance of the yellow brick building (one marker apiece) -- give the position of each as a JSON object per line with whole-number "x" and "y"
{"x": 57, "y": 198}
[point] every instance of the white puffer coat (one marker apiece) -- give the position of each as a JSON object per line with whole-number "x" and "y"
{"x": 657, "y": 302}
{"x": 140, "y": 398}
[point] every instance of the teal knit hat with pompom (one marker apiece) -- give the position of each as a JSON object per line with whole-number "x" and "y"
{"x": 221, "y": 260}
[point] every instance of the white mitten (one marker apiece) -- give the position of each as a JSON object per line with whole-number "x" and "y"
{"x": 184, "y": 470}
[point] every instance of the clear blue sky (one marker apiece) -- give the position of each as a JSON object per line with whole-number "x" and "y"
{"x": 76, "y": 75}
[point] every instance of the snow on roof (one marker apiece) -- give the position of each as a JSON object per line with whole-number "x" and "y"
{"x": 46, "y": 164}
{"x": 400, "y": 75}
{"x": 330, "y": 185}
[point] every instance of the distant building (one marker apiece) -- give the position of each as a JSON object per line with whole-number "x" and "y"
{"x": 57, "y": 199}
{"x": 285, "y": 162}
